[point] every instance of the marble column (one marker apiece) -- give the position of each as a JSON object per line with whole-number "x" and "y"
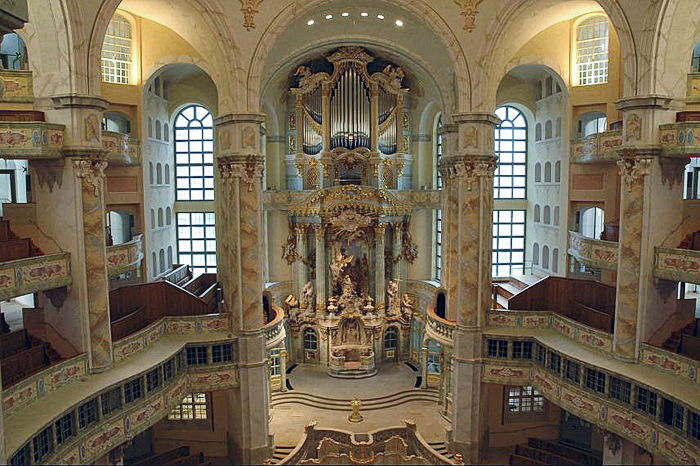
{"x": 90, "y": 174}
{"x": 467, "y": 167}
{"x": 300, "y": 270}
{"x": 239, "y": 212}
{"x": 380, "y": 286}
{"x": 283, "y": 369}
{"x": 320, "y": 232}
{"x": 424, "y": 367}
{"x": 396, "y": 229}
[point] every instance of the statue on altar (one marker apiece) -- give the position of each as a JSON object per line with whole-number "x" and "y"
{"x": 338, "y": 265}
{"x": 307, "y": 297}
{"x": 394, "y": 302}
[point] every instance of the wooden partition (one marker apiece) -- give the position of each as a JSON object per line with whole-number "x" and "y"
{"x": 23, "y": 364}
{"x": 14, "y": 249}
{"x": 178, "y": 275}
{"x": 13, "y": 342}
{"x": 690, "y": 346}
{"x": 586, "y": 301}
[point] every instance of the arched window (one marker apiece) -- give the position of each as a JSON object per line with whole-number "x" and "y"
{"x": 155, "y": 264}
{"x": 548, "y": 129}
{"x": 150, "y": 127}
{"x": 167, "y": 173}
{"x": 159, "y": 130}
{"x": 538, "y": 132}
{"x": 557, "y": 128}
{"x": 511, "y": 148}
{"x": 592, "y": 48}
{"x": 160, "y": 216}
{"x": 547, "y": 215}
{"x": 538, "y": 172}
{"x": 168, "y": 216}
{"x": 537, "y": 213}
{"x": 390, "y": 338}
{"x": 434, "y": 352}
{"x": 170, "y": 256}
{"x": 116, "y": 51}
{"x": 166, "y": 132}
{"x": 153, "y": 219}
{"x": 194, "y": 154}
{"x": 310, "y": 339}
{"x": 545, "y": 257}
{"x": 591, "y": 221}
{"x": 440, "y": 305}
{"x": 150, "y": 172}
{"x": 592, "y": 123}
{"x": 556, "y": 216}
{"x": 159, "y": 173}
{"x": 557, "y": 171}
{"x": 438, "y": 213}
{"x": 548, "y": 172}
{"x": 535, "y": 254}
{"x": 161, "y": 256}
{"x": 13, "y": 52}
{"x": 555, "y": 260}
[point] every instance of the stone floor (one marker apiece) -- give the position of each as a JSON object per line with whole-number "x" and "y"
{"x": 288, "y": 420}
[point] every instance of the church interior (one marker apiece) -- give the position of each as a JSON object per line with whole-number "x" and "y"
{"x": 350, "y": 232}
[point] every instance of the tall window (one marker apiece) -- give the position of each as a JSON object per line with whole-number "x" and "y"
{"x": 193, "y": 407}
{"x": 434, "y": 352}
{"x": 196, "y": 241}
{"x": 194, "y": 154}
{"x": 592, "y": 48}
{"x": 508, "y": 252}
{"x": 438, "y": 213}
{"x": 116, "y": 51}
{"x": 509, "y": 181}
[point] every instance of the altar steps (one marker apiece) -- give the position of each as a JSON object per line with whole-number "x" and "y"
{"x": 280, "y": 453}
{"x": 441, "y": 447}
{"x": 368, "y": 404}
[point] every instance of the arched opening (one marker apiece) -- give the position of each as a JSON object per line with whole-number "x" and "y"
{"x": 194, "y": 154}
{"x": 547, "y": 215}
{"x": 538, "y": 132}
{"x": 538, "y": 172}
{"x": 592, "y": 49}
{"x": 116, "y": 51}
{"x": 511, "y": 148}
{"x": 154, "y": 261}
{"x": 537, "y": 213}
{"x": 161, "y": 257}
{"x": 434, "y": 357}
{"x": 13, "y": 52}
{"x": 557, "y": 171}
{"x": 310, "y": 345}
{"x": 548, "y": 128}
{"x": 592, "y": 123}
{"x": 153, "y": 219}
{"x": 159, "y": 173}
{"x": 151, "y": 177}
{"x": 440, "y": 305}
{"x": 545, "y": 257}
{"x": 116, "y": 122}
{"x": 167, "y": 173}
{"x": 168, "y": 216}
{"x": 555, "y": 221}
{"x": 159, "y": 130}
{"x": 555, "y": 260}
{"x": 160, "y": 216}
{"x": 535, "y": 254}
{"x": 548, "y": 172}
{"x": 590, "y": 221}
{"x": 170, "y": 257}
{"x": 118, "y": 229}
{"x": 391, "y": 342}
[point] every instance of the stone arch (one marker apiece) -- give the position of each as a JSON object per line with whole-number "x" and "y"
{"x": 420, "y": 8}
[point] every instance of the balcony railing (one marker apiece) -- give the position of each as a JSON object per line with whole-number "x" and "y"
{"x": 31, "y": 140}
{"x": 125, "y": 257}
{"x": 681, "y": 139}
{"x": 16, "y": 85}
{"x": 681, "y": 265}
{"x": 274, "y": 330}
{"x": 440, "y": 329}
{"x": 39, "y": 273}
{"x": 593, "y": 252}
{"x": 597, "y": 148}
{"x": 122, "y": 148}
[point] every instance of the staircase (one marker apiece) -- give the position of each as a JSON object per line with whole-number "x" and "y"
{"x": 53, "y": 355}
{"x": 12, "y": 247}
{"x": 280, "y": 453}
{"x": 504, "y": 290}
{"x": 368, "y": 404}
{"x": 34, "y": 357}
{"x": 441, "y": 447}
{"x": 674, "y": 341}
{"x": 538, "y": 451}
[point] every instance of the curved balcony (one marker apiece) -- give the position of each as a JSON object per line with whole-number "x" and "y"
{"x": 33, "y": 140}
{"x": 274, "y": 330}
{"x": 125, "y": 257}
{"x": 681, "y": 139}
{"x": 33, "y": 274}
{"x": 669, "y": 375}
{"x": 593, "y": 252}
{"x": 440, "y": 329}
{"x": 16, "y": 86}
{"x": 597, "y": 148}
{"x": 681, "y": 265}
{"x": 122, "y": 148}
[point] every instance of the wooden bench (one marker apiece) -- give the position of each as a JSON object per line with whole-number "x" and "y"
{"x": 130, "y": 323}
{"x": 591, "y": 317}
{"x": 690, "y": 346}
{"x": 14, "y": 249}
{"x": 563, "y": 450}
{"x": 23, "y": 364}
{"x": 14, "y": 342}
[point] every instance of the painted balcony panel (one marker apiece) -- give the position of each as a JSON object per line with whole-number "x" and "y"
{"x": 40, "y": 273}
{"x": 121, "y": 148}
{"x": 681, "y": 265}
{"x": 593, "y": 252}
{"x": 16, "y": 86}
{"x": 33, "y": 140}
{"x": 125, "y": 257}
{"x": 681, "y": 139}
{"x": 603, "y": 147}
{"x": 274, "y": 330}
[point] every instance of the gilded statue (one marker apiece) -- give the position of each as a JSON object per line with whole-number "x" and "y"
{"x": 289, "y": 249}
{"x": 409, "y": 248}
{"x": 407, "y": 307}
{"x": 338, "y": 265}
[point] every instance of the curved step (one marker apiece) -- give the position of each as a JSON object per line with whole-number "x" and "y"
{"x": 276, "y": 395}
{"x": 367, "y": 405}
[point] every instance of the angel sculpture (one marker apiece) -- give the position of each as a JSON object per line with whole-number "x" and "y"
{"x": 394, "y": 303}
{"x": 407, "y": 307}
{"x": 307, "y": 297}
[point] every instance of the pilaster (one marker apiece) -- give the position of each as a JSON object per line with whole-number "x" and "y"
{"x": 320, "y": 232}
{"x": 380, "y": 285}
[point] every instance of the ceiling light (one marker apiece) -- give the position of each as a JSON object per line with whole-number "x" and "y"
{"x": 329, "y": 16}
{"x": 310, "y": 22}
{"x": 380, "y": 16}
{"x": 346, "y": 14}
{"x": 399, "y": 23}
{"x": 364, "y": 14}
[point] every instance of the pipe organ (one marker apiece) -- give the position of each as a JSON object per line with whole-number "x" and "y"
{"x": 349, "y": 122}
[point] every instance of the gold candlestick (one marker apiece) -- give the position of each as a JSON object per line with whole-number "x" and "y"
{"x": 355, "y": 416}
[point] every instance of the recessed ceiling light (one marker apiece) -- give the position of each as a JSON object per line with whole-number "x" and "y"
{"x": 380, "y": 16}
{"x": 329, "y": 16}
{"x": 310, "y": 22}
{"x": 364, "y": 14}
{"x": 399, "y": 22}
{"x": 346, "y": 14}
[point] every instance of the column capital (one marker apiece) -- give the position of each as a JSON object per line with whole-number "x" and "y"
{"x": 92, "y": 171}
{"x": 379, "y": 229}
{"x": 247, "y": 117}
{"x": 650, "y": 101}
{"x": 469, "y": 168}
{"x": 634, "y": 169}
{"x": 248, "y": 169}
{"x": 65, "y": 101}
{"x": 319, "y": 228}
{"x": 477, "y": 117}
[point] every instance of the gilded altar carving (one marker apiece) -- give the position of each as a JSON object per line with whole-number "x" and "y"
{"x": 248, "y": 169}
{"x": 249, "y": 8}
{"x": 92, "y": 171}
{"x": 469, "y": 11}
{"x": 633, "y": 170}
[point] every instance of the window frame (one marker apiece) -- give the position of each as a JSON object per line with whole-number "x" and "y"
{"x": 122, "y": 45}
{"x": 533, "y": 399}
{"x": 498, "y": 226}
{"x": 590, "y": 76}
{"x": 189, "y": 226}
{"x": 499, "y": 178}
{"x": 193, "y": 423}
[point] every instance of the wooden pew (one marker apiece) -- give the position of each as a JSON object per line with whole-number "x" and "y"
{"x": 690, "y": 346}
{"x": 130, "y": 323}
{"x": 23, "y": 364}
{"x": 14, "y": 342}
{"x": 14, "y": 249}
{"x": 591, "y": 317}
{"x": 563, "y": 450}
